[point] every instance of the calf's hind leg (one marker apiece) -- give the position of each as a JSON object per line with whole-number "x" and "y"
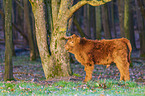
{"x": 123, "y": 67}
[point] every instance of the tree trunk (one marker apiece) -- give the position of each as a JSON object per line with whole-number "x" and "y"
{"x": 41, "y": 36}
{"x": 34, "y": 35}
{"x": 113, "y": 17}
{"x": 121, "y": 16}
{"x": 128, "y": 24}
{"x": 87, "y": 29}
{"x": 98, "y": 22}
{"x": 27, "y": 28}
{"x": 126, "y": 19}
{"x": 93, "y": 22}
{"x": 13, "y": 45}
{"x": 8, "y": 75}
{"x": 49, "y": 17}
{"x": 142, "y": 40}
{"x": 58, "y": 52}
{"x": 141, "y": 27}
{"x": 131, "y": 25}
{"x": 106, "y": 27}
{"x": 141, "y": 5}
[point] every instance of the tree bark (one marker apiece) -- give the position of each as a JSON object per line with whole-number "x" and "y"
{"x": 8, "y": 75}
{"x": 121, "y": 16}
{"x": 126, "y": 19}
{"x": 131, "y": 25}
{"x": 98, "y": 22}
{"x": 41, "y": 36}
{"x": 27, "y": 28}
{"x": 112, "y": 17}
{"x": 141, "y": 5}
{"x": 58, "y": 52}
{"x": 87, "y": 29}
{"x": 49, "y": 17}
{"x": 93, "y": 22}
{"x": 128, "y": 23}
{"x": 106, "y": 27}
{"x": 14, "y": 35}
{"x": 34, "y": 35}
{"x": 141, "y": 24}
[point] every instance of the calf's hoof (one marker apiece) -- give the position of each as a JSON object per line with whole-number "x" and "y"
{"x": 86, "y": 80}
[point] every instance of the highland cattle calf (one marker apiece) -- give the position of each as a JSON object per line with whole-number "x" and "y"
{"x": 102, "y": 52}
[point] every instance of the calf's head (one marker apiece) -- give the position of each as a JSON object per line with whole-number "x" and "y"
{"x": 72, "y": 42}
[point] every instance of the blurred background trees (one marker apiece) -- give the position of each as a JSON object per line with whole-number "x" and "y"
{"x": 115, "y": 19}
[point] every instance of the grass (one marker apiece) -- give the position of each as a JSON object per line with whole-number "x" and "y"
{"x": 103, "y": 87}
{"x": 25, "y": 60}
{"x": 66, "y": 88}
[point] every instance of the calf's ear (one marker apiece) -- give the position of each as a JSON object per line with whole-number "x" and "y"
{"x": 78, "y": 40}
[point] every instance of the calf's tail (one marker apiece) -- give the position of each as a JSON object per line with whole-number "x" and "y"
{"x": 129, "y": 48}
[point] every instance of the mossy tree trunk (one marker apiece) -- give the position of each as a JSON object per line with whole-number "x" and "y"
{"x": 60, "y": 24}
{"x": 41, "y": 36}
{"x": 126, "y": 19}
{"x": 8, "y": 75}
{"x": 57, "y": 64}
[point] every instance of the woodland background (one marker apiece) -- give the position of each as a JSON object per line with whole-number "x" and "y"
{"x": 115, "y": 19}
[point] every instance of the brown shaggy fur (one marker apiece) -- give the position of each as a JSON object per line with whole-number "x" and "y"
{"x": 101, "y": 52}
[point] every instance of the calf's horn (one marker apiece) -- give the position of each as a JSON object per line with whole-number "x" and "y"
{"x": 65, "y": 37}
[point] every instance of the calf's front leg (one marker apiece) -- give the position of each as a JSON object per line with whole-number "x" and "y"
{"x": 89, "y": 70}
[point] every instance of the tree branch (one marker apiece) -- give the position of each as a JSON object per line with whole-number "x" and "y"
{"x": 78, "y": 27}
{"x": 19, "y": 4}
{"x": 22, "y": 33}
{"x": 76, "y": 7}
{"x": 82, "y": 3}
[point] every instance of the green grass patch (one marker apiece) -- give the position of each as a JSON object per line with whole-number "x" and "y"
{"x": 78, "y": 75}
{"x": 65, "y": 88}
